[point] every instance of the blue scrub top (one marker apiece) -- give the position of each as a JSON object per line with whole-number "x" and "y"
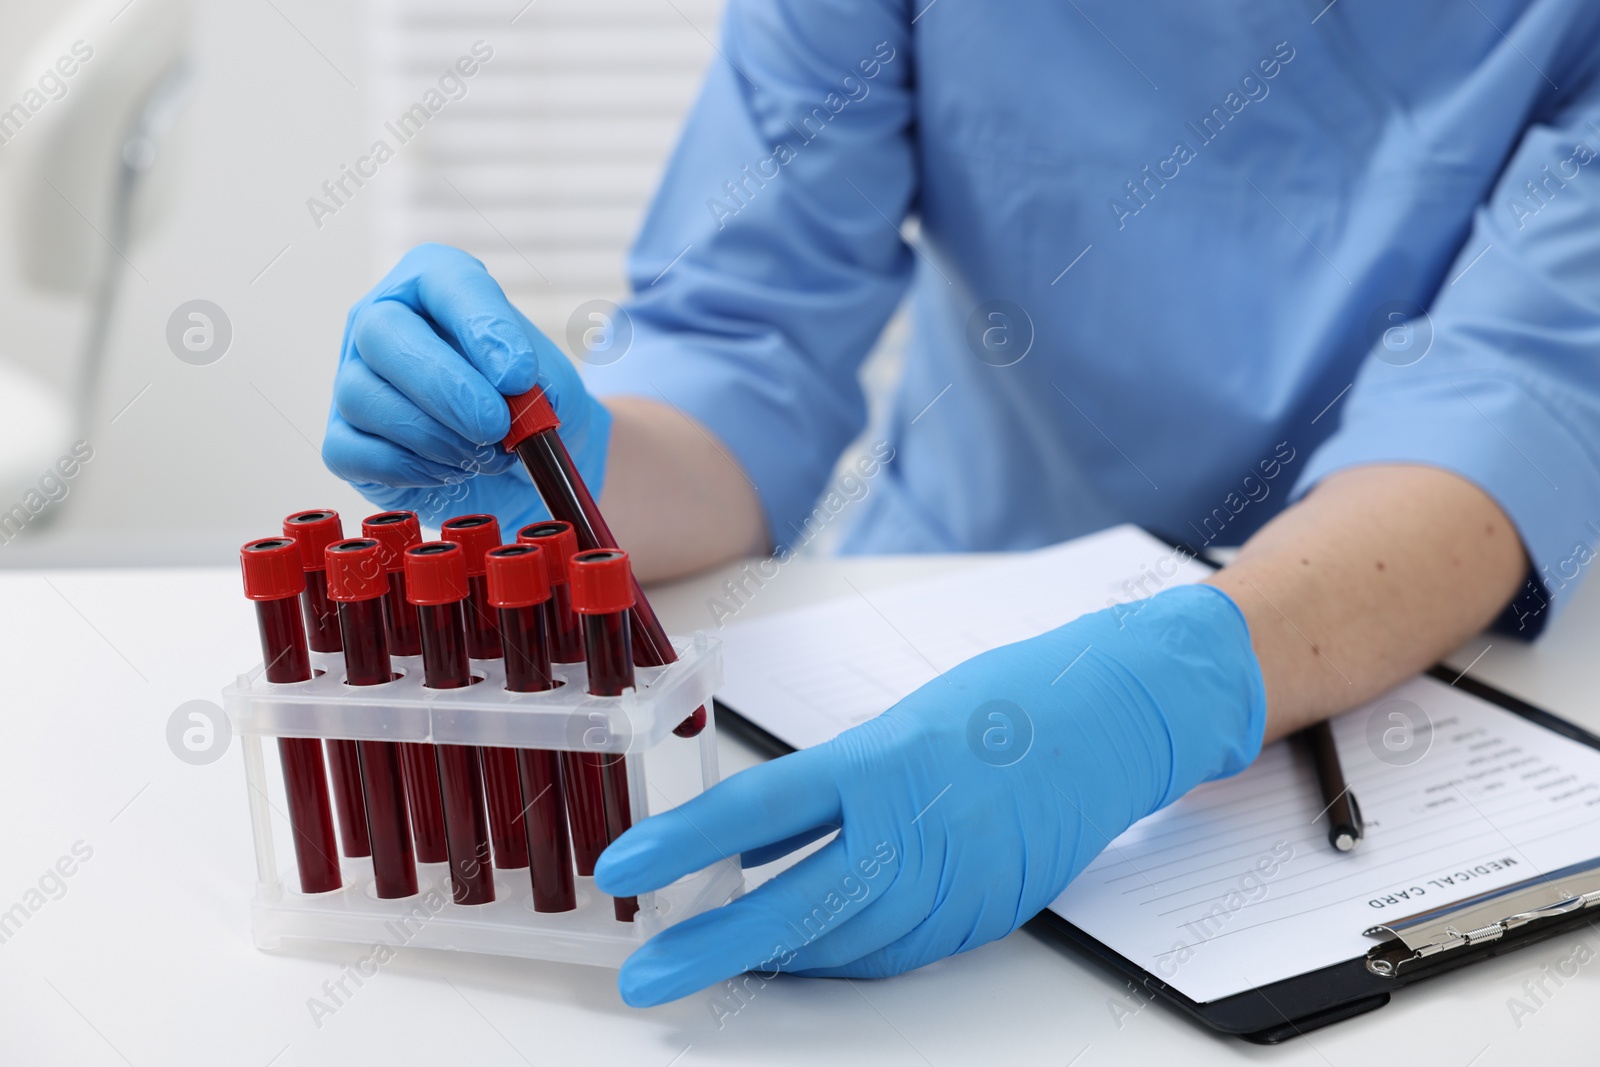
{"x": 1169, "y": 263}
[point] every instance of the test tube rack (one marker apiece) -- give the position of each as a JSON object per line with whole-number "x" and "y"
{"x": 663, "y": 771}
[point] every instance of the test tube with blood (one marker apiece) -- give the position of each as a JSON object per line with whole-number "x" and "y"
{"x": 274, "y": 577}
{"x": 436, "y": 582}
{"x": 476, "y": 534}
{"x": 396, "y": 531}
{"x": 314, "y": 531}
{"x": 518, "y": 588}
{"x": 356, "y": 583}
{"x": 580, "y": 778}
{"x": 562, "y": 627}
{"x": 535, "y": 440}
{"x": 602, "y": 593}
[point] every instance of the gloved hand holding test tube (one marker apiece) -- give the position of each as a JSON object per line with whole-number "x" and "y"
{"x": 1162, "y": 698}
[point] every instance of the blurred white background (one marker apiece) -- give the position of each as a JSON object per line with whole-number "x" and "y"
{"x": 542, "y": 170}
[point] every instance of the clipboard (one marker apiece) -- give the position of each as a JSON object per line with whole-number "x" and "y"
{"x": 1405, "y": 950}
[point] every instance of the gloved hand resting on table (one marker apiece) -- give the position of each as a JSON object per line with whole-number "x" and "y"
{"x": 963, "y": 810}
{"x": 419, "y": 408}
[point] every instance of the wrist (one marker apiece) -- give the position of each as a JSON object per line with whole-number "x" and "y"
{"x": 1177, "y": 675}
{"x": 1209, "y": 687}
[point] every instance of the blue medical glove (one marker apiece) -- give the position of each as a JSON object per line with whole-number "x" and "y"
{"x": 419, "y": 405}
{"x": 963, "y": 810}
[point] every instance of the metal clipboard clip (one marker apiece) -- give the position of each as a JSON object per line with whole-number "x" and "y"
{"x": 1482, "y": 918}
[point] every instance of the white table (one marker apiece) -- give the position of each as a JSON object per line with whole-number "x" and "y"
{"x": 144, "y": 957}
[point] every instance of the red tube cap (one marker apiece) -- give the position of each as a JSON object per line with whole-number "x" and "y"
{"x": 531, "y": 413}
{"x": 476, "y": 534}
{"x": 395, "y": 531}
{"x": 559, "y": 541}
{"x": 355, "y": 570}
{"x": 315, "y": 531}
{"x": 601, "y": 580}
{"x": 436, "y": 573}
{"x": 517, "y": 577}
{"x": 272, "y": 568}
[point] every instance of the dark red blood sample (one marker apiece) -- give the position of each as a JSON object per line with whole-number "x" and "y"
{"x": 436, "y": 577}
{"x": 400, "y": 618}
{"x": 527, "y": 652}
{"x": 559, "y": 544}
{"x": 357, "y": 583}
{"x": 549, "y": 855}
{"x": 310, "y": 814}
{"x": 396, "y": 531}
{"x": 344, "y": 768}
{"x": 320, "y": 612}
{"x": 535, "y": 440}
{"x": 586, "y": 810}
{"x": 314, "y": 531}
{"x": 580, "y": 778}
{"x": 518, "y": 586}
{"x": 504, "y": 795}
{"x": 692, "y": 726}
{"x": 476, "y": 534}
{"x": 602, "y": 592}
{"x": 483, "y": 630}
{"x": 619, "y": 817}
{"x": 466, "y": 829}
{"x": 273, "y": 578}
{"x": 610, "y": 660}
{"x": 425, "y": 799}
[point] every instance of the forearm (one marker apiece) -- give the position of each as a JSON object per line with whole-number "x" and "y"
{"x": 673, "y": 494}
{"x": 1372, "y": 577}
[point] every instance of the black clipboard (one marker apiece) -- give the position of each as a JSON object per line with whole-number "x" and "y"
{"x": 1497, "y": 922}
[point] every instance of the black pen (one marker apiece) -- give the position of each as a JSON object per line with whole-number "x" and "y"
{"x": 1344, "y": 814}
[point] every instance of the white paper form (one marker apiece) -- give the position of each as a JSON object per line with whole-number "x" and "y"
{"x": 1235, "y": 885}
{"x": 810, "y": 674}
